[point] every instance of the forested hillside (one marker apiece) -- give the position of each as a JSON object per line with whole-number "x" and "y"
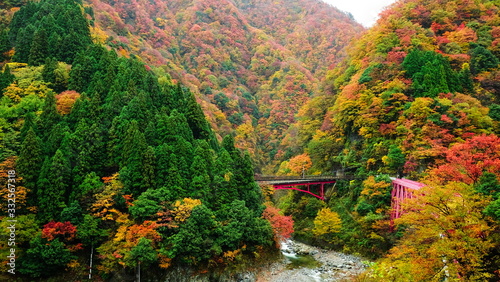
{"x": 122, "y": 124}
{"x": 418, "y": 97}
{"x": 251, "y": 64}
{"x": 109, "y": 161}
{"x": 423, "y": 78}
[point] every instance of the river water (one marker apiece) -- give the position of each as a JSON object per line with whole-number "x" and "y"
{"x": 304, "y": 263}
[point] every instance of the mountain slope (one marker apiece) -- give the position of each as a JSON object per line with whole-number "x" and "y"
{"x": 104, "y": 159}
{"x": 425, "y": 77}
{"x": 237, "y": 55}
{"x": 418, "y": 97}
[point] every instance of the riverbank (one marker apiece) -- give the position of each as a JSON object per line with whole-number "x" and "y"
{"x": 330, "y": 266}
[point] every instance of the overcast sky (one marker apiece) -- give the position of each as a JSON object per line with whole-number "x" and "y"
{"x": 364, "y": 11}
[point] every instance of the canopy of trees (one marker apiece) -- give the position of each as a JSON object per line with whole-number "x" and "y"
{"x": 114, "y": 159}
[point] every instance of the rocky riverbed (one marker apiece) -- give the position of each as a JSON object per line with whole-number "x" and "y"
{"x": 318, "y": 265}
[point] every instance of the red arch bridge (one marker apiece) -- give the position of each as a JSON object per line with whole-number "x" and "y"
{"x": 315, "y": 185}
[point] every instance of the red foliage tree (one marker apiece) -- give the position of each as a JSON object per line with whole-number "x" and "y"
{"x": 466, "y": 162}
{"x": 63, "y": 230}
{"x": 282, "y": 225}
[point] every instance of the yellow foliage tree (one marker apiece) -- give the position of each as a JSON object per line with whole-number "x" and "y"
{"x": 183, "y": 209}
{"x": 326, "y": 223}
{"x": 103, "y": 206}
{"x": 447, "y": 237}
{"x": 15, "y": 193}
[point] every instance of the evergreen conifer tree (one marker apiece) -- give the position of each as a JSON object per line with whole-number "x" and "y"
{"x": 52, "y": 197}
{"x": 48, "y": 72}
{"x": 39, "y": 48}
{"x": 134, "y": 146}
{"x": 200, "y": 183}
{"x": 162, "y": 153}
{"x": 148, "y": 170}
{"x": 6, "y": 78}
{"x": 29, "y": 123}
{"x": 223, "y": 189}
{"x": 23, "y": 44}
{"x": 4, "y": 44}
{"x": 482, "y": 59}
{"x": 196, "y": 119}
{"x": 49, "y": 117}
{"x": 30, "y": 159}
{"x": 175, "y": 182}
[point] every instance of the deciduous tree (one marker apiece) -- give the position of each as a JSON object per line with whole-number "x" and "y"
{"x": 326, "y": 223}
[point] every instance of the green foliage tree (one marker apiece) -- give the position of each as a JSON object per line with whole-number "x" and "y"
{"x": 30, "y": 159}
{"x": 149, "y": 167}
{"x": 6, "y": 78}
{"x": 89, "y": 186}
{"x": 494, "y": 112}
{"x": 39, "y": 48}
{"x": 44, "y": 258}
{"x": 240, "y": 226}
{"x": 4, "y": 44}
{"x": 88, "y": 149}
{"x": 89, "y": 231}
{"x": 49, "y": 117}
{"x": 482, "y": 59}
{"x": 53, "y": 188}
{"x": 23, "y": 43}
{"x": 170, "y": 128}
{"x": 200, "y": 183}
{"x": 489, "y": 185}
{"x": 39, "y": 25}
{"x": 72, "y": 213}
{"x": 223, "y": 190}
{"x": 395, "y": 159}
{"x": 195, "y": 240}
{"x": 143, "y": 254}
{"x": 150, "y": 202}
{"x": 134, "y": 147}
{"x": 196, "y": 118}
{"x": 431, "y": 74}
{"x": 48, "y": 72}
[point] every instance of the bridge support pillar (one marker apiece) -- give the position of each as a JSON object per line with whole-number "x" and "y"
{"x": 402, "y": 189}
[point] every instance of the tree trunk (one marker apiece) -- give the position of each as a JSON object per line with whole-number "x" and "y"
{"x": 139, "y": 271}
{"x": 91, "y": 258}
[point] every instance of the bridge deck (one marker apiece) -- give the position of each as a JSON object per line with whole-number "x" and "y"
{"x": 295, "y": 183}
{"x": 269, "y": 178}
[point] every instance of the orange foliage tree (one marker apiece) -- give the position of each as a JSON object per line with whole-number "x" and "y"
{"x": 299, "y": 164}
{"x": 65, "y": 101}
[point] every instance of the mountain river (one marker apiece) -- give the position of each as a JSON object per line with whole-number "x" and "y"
{"x": 304, "y": 263}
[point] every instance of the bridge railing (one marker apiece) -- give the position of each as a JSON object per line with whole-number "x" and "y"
{"x": 259, "y": 177}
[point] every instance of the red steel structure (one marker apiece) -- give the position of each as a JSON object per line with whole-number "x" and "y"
{"x": 294, "y": 186}
{"x": 402, "y": 189}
